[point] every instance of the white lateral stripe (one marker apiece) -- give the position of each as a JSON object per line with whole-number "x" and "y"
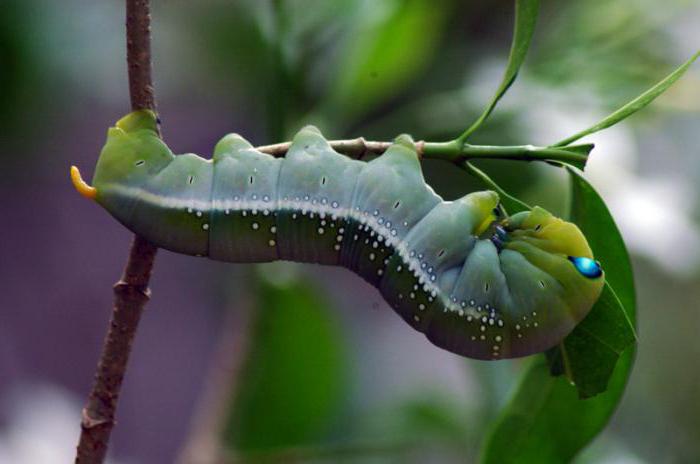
{"x": 332, "y": 209}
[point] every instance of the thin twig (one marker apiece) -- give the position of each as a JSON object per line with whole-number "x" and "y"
{"x": 131, "y": 292}
{"x": 447, "y": 151}
{"x": 354, "y": 148}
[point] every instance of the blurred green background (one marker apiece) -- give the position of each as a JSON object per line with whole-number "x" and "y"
{"x": 303, "y": 362}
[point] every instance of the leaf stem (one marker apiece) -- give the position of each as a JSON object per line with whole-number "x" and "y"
{"x": 447, "y": 151}
{"x": 523, "y": 28}
{"x": 513, "y": 205}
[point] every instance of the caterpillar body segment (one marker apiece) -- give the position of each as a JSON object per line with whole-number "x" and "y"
{"x": 243, "y": 208}
{"x": 475, "y": 282}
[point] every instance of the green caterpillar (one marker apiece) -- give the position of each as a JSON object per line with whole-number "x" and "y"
{"x": 474, "y": 281}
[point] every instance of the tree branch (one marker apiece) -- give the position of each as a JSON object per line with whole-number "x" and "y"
{"x": 138, "y": 54}
{"x": 131, "y": 292}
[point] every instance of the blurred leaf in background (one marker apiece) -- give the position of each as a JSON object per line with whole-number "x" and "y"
{"x": 293, "y": 385}
{"x": 19, "y": 64}
{"x": 615, "y": 47}
{"x": 323, "y": 62}
{"x": 392, "y": 42}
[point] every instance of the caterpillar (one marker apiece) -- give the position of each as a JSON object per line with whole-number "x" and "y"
{"x": 474, "y": 280}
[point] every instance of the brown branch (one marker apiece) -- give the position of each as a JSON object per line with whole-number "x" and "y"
{"x": 131, "y": 292}
{"x": 138, "y": 54}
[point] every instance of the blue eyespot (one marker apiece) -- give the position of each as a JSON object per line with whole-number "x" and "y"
{"x": 586, "y": 266}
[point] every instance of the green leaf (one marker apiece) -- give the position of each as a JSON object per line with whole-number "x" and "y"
{"x": 589, "y": 212}
{"x": 588, "y": 355}
{"x": 546, "y": 420}
{"x": 525, "y": 20}
{"x": 582, "y": 149}
{"x": 635, "y": 105}
{"x": 293, "y": 382}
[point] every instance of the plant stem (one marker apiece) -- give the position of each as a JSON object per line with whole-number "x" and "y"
{"x": 448, "y": 151}
{"x": 204, "y": 440}
{"x": 511, "y": 203}
{"x": 131, "y": 292}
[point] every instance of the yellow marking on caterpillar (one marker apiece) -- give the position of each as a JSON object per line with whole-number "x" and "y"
{"x": 80, "y": 185}
{"x": 485, "y": 224}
